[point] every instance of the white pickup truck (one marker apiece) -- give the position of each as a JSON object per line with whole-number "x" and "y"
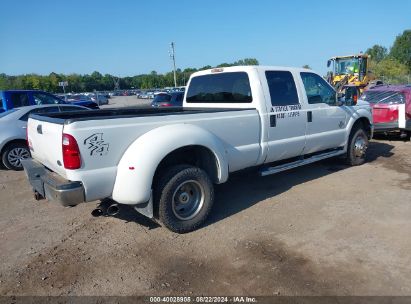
{"x": 164, "y": 162}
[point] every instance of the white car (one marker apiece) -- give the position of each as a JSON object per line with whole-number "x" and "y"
{"x": 13, "y": 125}
{"x": 165, "y": 162}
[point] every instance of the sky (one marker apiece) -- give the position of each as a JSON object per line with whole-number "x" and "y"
{"x": 131, "y": 37}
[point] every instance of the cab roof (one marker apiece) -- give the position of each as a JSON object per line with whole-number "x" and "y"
{"x": 350, "y": 56}
{"x": 390, "y": 87}
{"x": 249, "y": 68}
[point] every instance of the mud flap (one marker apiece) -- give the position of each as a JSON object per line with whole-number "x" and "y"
{"x": 146, "y": 209}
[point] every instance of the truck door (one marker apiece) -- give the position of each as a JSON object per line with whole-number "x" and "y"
{"x": 286, "y": 119}
{"x": 326, "y": 121}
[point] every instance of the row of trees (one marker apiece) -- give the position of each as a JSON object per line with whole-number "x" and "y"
{"x": 393, "y": 65}
{"x": 99, "y": 82}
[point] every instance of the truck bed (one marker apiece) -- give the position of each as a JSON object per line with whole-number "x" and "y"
{"x": 115, "y": 130}
{"x": 114, "y": 113}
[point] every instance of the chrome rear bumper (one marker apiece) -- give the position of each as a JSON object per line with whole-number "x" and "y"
{"x": 52, "y": 186}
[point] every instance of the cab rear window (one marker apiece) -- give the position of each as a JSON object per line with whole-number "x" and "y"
{"x": 233, "y": 87}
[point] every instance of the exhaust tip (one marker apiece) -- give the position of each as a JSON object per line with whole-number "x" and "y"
{"x": 97, "y": 212}
{"x": 38, "y": 196}
{"x": 113, "y": 209}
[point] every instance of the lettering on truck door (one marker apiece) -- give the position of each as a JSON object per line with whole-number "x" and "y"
{"x": 287, "y": 124}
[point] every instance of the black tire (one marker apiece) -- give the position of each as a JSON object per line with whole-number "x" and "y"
{"x": 407, "y": 136}
{"x": 357, "y": 146}
{"x": 184, "y": 198}
{"x": 12, "y": 154}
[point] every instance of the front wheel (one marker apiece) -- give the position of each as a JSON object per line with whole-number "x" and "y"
{"x": 184, "y": 197}
{"x": 357, "y": 147}
{"x": 13, "y": 154}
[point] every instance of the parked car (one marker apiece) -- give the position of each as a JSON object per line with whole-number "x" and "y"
{"x": 100, "y": 99}
{"x": 13, "y": 125}
{"x": 391, "y": 107}
{"x": 82, "y": 100}
{"x": 168, "y": 100}
{"x": 143, "y": 95}
{"x": 164, "y": 162}
{"x": 11, "y": 99}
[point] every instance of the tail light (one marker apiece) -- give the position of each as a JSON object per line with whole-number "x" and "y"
{"x": 27, "y": 138}
{"x": 71, "y": 152}
{"x": 166, "y": 105}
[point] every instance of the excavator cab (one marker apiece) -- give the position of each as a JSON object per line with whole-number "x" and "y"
{"x": 349, "y": 70}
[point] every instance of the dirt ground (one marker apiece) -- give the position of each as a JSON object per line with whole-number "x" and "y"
{"x": 324, "y": 229}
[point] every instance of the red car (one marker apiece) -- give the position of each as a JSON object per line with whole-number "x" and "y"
{"x": 391, "y": 107}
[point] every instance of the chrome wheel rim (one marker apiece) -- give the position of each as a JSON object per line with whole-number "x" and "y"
{"x": 16, "y": 155}
{"x": 360, "y": 146}
{"x": 188, "y": 199}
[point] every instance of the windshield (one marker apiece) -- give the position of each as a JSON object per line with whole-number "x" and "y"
{"x": 162, "y": 98}
{"x": 347, "y": 66}
{"x": 386, "y": 97}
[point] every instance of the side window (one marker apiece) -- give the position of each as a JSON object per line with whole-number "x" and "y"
{"x": 43, "y": 99}
{"x": 19, "y": 99}
{"x": 317, "y": 89}
{"x": 25, "y": 117}
{"x": 282, "y": 88}
{"x": 70, "y": 109}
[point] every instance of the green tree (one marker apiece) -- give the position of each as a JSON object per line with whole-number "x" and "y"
{"x": 247, "y": 61}
{"x": 390, "y": 70}
{"x": 401, "y": 49}
{"x": 377, "y": 52}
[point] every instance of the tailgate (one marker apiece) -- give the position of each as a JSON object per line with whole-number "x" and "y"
{"x": 45, "y": 140}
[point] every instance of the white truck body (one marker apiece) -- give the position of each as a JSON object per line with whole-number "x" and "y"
{"x": 122, "y": 149}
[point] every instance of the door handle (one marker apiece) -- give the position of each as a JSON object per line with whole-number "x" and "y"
{"x": 39, "y": 129}
{"x": 309, "y": 116}
{"x": 273, "y": 121}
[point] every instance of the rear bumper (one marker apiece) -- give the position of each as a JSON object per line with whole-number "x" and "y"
{"x": 52, "y": 186}
{"x": 391, "y": 126}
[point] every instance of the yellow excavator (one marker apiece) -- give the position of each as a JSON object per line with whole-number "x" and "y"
{"x": 350, "y": 71}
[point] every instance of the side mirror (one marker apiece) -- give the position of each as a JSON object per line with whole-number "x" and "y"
{"x": 339, "y": 99}
{"x": 328, "y": 63}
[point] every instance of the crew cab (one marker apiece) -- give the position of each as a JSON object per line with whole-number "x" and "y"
{"x": 391, "y": 105}
{"x": 165, "y": 161}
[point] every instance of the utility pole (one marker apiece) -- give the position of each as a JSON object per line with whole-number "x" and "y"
{"x": 173, "y": 57}
{"x": 116, "y": 81}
